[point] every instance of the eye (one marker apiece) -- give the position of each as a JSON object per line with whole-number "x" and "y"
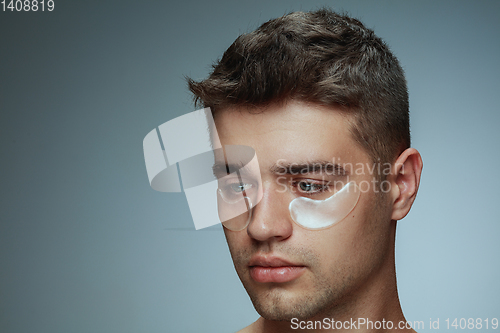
{"x": 234, "y": 191}
{"x": 240, "y": 187}
{"x": 310, "y": 187}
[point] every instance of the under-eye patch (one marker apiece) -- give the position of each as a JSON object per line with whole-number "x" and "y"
{"x": 320, "y": 214}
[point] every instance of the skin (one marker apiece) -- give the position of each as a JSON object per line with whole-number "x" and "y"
{"x": 346, "y": 271}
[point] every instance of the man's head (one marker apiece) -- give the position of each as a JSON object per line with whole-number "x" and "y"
{"x": 319, "y": 57}
{"x": 304, "y": 90}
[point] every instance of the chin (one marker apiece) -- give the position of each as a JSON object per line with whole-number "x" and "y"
{"x": 278, "y": 306}
{"x": 278, "y": 312}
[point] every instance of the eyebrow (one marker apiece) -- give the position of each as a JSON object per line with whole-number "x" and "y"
{"x": 221, "y": 169}
{"x": 293, "y": 168}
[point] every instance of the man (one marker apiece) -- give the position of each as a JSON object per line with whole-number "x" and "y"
{"x": 323, "y": 102}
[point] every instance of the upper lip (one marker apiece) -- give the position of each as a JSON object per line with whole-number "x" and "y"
{"x": 270, "y": 261}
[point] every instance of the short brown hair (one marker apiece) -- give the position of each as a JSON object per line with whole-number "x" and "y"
{"x": 320, "y": 57}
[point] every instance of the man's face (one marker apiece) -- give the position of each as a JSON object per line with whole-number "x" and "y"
{"x": 289, "y": 271}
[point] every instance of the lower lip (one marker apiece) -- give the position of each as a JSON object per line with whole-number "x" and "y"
{"x": 275, "y": 274}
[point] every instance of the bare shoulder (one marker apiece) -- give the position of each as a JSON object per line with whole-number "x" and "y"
{"x": 252, "y": 328}
{"x": 247, "y": 329}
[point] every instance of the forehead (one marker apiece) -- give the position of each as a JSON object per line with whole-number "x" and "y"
{"x": 295, "y": 132}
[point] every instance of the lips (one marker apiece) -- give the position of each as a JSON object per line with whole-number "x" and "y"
{"x": 274, "y": 269}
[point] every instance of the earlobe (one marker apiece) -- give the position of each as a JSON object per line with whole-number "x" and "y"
{"x": 406, "y": 177}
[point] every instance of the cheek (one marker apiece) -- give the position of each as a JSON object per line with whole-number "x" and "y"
{"x": 336, "y": 243}
{"x": 368, "y": 230}
{"x": 230, "y": 238}
{"x": 237, "y": 242}
{"x": 348, "y": 241}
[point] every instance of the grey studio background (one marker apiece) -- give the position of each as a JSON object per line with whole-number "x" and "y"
{"x": 87, "y": 246}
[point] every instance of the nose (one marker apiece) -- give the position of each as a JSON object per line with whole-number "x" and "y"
{"x": 271, "y": 218}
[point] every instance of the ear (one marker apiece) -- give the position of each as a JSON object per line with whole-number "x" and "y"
{"x": 405, "y": 181}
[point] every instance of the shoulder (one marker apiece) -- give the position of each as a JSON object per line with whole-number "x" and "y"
{"x": 252, "y": 328}
{"x": 247, "y": 329}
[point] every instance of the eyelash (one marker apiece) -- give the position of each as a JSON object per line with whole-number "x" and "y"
{"x": 316, "y": 187}
{"x": 247, "y": 186}
{"x": 231, "y": 189}
{"x": 323, "y": 187}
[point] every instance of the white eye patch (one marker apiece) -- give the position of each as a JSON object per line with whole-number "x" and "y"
{"x": 321, "y": 214}
{"x": 238, "y": 217}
